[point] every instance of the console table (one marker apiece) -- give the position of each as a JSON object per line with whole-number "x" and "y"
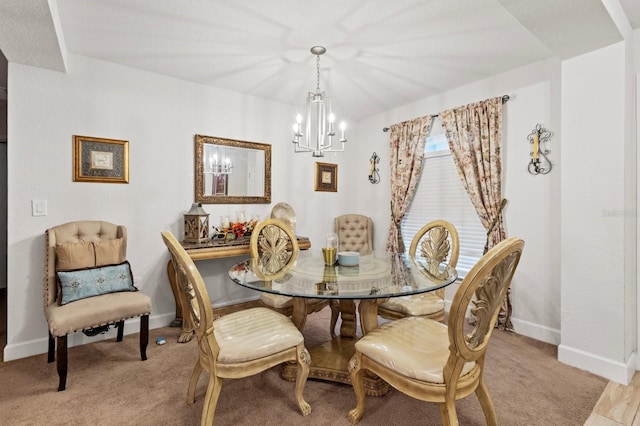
{"x": 203, "y": 251}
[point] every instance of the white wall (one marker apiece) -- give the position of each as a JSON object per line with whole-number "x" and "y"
{"x": 595, "y": 196}
{"x": 532, "y": 212}
{"x": 159, "y": 117}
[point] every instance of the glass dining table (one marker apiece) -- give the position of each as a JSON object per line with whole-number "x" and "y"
{"x": 376, "y": 278}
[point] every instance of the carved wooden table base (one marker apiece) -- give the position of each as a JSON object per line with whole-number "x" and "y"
{"x": 330, "y": 361}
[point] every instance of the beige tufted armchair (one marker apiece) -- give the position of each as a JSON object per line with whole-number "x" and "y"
{"x": 80, "y": 247}
{"x": 355, "y": 233}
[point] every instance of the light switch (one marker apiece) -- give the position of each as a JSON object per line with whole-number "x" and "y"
{"x": 38, "y": 207}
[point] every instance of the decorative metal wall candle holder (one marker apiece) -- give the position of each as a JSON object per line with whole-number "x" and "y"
{"x": 374, "y": 175}
{"x": 539, "y": 164}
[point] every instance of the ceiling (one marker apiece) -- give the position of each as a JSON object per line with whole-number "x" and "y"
{"x": 381, "y": 54}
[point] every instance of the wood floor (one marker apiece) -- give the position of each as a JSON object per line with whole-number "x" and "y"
{"x": 618, "y": 405}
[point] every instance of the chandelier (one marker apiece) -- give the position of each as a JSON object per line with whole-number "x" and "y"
{"x": 315, "y": 131}
{"x": 219, "y": 165}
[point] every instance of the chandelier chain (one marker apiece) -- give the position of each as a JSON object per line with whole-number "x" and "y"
{"x": 317, "y": 73}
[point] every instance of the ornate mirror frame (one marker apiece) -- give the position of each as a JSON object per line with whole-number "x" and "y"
{"x": 201, "y": 197}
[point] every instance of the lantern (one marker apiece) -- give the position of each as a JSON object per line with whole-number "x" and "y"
{"x": 196, "y": 225}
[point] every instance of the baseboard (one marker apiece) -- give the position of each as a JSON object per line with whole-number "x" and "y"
{"x": 613, "y": 370}
{"x": 536, "y": 331}
{"x": 40, "y": 346}
{"x": 526, "y": 328}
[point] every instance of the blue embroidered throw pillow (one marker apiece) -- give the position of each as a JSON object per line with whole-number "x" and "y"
{"x": 83, "y": 283}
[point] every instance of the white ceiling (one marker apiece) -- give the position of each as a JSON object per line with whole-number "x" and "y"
{"x": 381, "y": 54}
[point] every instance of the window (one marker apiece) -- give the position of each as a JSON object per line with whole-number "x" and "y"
{"x": 441, "y": 195}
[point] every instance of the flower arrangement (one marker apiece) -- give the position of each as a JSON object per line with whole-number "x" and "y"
{"x": 235, "y": 230}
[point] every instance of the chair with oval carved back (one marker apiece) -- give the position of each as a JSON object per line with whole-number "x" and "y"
{"x": 439, "y": 243}
{"x": 434, "y": 362}
{"x": 273, "y": 245}
{"x": 236, "y": 345}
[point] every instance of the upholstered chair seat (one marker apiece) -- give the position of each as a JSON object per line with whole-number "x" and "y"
{"x": 95, "y": 311}
{"x": 276, "y": 301}
{"x": 417, "y": 348}
{"x": 243, "y": 336}
{"x": 426, "y": 304}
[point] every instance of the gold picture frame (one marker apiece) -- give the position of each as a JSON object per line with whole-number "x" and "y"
{"x": 326, "y": 177}
{"x": 100, "y": 160}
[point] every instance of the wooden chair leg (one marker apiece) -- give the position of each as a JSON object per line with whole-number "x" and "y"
{"x": 193, "y": 382}
{"x": 120, "y": 326}
{"x": 304, "y": 361}
{"x": 357, "y": 380}
{"x": 211, "y": 400}
{"x": 62, "y": 362}
{"x": 144, "y": 336}
{"x": 52, "y": 348}
{"x": 485, "y": 402}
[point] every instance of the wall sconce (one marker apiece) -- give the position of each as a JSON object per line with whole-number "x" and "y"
{"x": 374, "y": 176}
{"x": 539, "y": 164}
{"x": 196, "y": 225}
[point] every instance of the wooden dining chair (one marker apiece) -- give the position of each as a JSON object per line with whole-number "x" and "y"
{"x": 438, "y": 242}
{"x": 434, "y": 362}
{"x": 273, "y": 247}
{"x": 236, "y": 345}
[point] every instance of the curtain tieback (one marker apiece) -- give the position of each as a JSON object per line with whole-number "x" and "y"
{"x": 494, "y": 223}
{"x": 398, "y": 230}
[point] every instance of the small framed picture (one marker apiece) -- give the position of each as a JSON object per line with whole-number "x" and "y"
{"x": 326, "y": 177}
{"x": 219, "y": 186}
{"x": 100, "y": 160}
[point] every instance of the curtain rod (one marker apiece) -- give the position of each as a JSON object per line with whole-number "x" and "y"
{"x": 505, "y": 98}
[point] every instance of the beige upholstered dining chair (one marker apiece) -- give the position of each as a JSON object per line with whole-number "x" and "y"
{"x": 437, "y": 242}
{"x": 88, "y": 286}
{"x": 236, "y": 345}
{"x": 355, "y": 233}
{"x": 274, "y": 246}
{"x": 434, "y": 362}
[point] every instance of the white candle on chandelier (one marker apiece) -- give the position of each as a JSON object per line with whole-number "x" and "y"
{"x": 299, "y": 124}
{"x": 343, "y": 126}
{"x": 332, "y": 118}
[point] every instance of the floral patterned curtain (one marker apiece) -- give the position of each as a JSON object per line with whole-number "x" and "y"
{"x": 474, "y": 133}
{"x": 406, "y": 148}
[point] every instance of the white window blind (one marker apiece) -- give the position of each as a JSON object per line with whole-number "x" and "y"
{"x": 441, "y": 195}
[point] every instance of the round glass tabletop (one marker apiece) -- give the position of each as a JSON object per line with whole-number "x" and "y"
{"x": 378, "y": 275}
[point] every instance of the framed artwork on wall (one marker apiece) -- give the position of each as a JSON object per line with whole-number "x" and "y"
{"x": 219, "y": 186}
{"x": 326, "y": 177}
{"x": 100, "y": 160}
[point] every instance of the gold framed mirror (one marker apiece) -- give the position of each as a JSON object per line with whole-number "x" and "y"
{"x": 229, "y": 171}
